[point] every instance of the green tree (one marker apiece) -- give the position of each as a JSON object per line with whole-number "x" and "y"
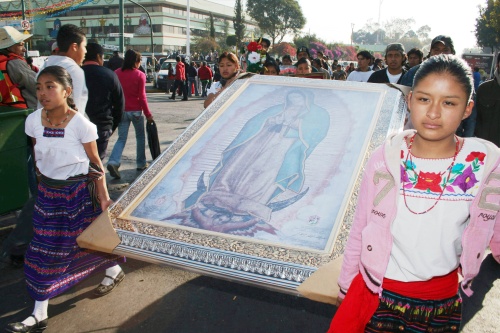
{"x": 204, "y": 45}
{"x": 222, "y": 37}
{"x": 231, "y": 40}
{"x": 488, "y": 25}
{"x": 306, "y": 40}
{"x": 239, "y": 22}
{"x": 277, "y": 18}
{"x": 212, "y": 26}
{"x": 423, "y": 32}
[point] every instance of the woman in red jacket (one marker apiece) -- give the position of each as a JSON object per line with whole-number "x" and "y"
{"x": 134, "y": 89}
{"x": 205, "y": 74}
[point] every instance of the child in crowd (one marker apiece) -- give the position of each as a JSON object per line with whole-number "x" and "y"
{"x": 427, "y": 209}
{"x": 272, "y": 68}
{"x": 303, "y": 66}
{"x": 229, "y": 68}
{"x": 71, "y": 194}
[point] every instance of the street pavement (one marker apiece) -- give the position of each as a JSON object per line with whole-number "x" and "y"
{"x": 165, "y": 299}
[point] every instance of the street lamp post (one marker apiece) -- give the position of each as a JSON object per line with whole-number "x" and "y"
{"x": 378, "y": 22}
{"x": 352, "y": 32}
{"x": 151, "y": 23}
{"x": 188, "y": 31}
{"x": 121, "y": 28}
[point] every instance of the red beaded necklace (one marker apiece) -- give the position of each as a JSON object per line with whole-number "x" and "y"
{"x": 408, "y": 155}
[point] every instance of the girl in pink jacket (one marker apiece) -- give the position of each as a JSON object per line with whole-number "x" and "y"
{"x": 427, "y": 211}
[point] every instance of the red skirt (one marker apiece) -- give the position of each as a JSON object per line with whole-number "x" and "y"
{"x": 356, "y": 310}
{"x": 360, "y": 303}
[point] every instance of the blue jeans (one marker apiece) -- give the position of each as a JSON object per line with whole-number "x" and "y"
{"x": 137, "y": 120}
{"x": 191, "y": 81}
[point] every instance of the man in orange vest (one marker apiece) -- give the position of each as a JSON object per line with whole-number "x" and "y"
{"x": 17, "y": 89}
{"x": 17, "y": 80}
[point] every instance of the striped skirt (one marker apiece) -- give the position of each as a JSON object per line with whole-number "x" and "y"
{"x": 53, "y": 261}
{"x": 397, "y": 313}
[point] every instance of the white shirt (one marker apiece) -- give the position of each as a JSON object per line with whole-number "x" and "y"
{"x": 59, "y": 153}
{"x": 430, "y": 244}
{"x": 214, "y": 88}
{"x": 393, "y": 78}
{"x": 80, "y": 92}
{"x": 359, "y": 76}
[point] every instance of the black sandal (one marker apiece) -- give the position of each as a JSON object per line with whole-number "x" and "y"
{"x": 102, "y": 290}
{"x": 19, "y": 327}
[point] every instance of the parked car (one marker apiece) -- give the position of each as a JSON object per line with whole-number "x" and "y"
{"x": 161, "y": 77}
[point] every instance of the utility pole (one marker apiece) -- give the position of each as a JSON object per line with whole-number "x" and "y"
{"x": 188, "y": 31}
{"x": 23, "y": 9}
{"x": 378, "y": 22}
{"x": 120, "y": 24}
{"x": 352, "y": 32}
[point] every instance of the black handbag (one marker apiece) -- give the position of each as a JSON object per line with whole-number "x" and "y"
{"x": 153, "y": 141}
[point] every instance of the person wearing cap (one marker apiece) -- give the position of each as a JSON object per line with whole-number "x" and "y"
{"x": 303, "y": 52}
{"x": 72, "y": 44}
{"x": 18, "y": 87}
{"x": 440, "y": 45}
{"x": 106, "y": 102}
{"x": 18, "y": 90}
{"x": 395, "y": 58}
{"x": 363, "y": 72}
{"x": 54, "y": 48}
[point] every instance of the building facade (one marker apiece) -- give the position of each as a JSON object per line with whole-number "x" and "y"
{"x": 100, "y": 21}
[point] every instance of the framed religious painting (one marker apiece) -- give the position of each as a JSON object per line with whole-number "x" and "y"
{"x": 262, "y": 186}
{"x": 313, "y": 75}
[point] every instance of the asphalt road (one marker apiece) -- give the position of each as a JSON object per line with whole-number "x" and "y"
{"x": 164, "y": 299}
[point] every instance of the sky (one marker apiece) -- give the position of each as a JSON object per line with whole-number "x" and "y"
{"x": 331, "y": 20}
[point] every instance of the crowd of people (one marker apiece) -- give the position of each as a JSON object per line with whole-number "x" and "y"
{"x": 422, "y": 216}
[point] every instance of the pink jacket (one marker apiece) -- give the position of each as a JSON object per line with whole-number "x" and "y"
{"x": 370, "y": 240}
{"x": 133, "y": 82}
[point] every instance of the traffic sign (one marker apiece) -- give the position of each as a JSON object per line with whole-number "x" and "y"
{"x": 25, "y": 24}
{"x": 117, "y": 34}
{"x": 110, "y": 47}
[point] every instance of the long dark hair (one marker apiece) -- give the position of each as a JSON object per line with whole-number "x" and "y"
{"x": 131, "y": 57}
{"x": 62, "y": 77}
{"x": 447, "y": 64}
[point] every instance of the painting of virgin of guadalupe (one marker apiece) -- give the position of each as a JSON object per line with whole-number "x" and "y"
{"x": 262, "y": 186}
{"x": 274, "y": 165}
{"x": 267, "y": 158}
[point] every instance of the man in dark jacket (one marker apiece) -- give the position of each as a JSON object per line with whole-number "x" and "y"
{"x": 115, "y": 61}
{"x": 192, "y": 73}
{"x": 488, "y": 108}
{"x": 395, "y": 58}
{"x": 106, "y": 101}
